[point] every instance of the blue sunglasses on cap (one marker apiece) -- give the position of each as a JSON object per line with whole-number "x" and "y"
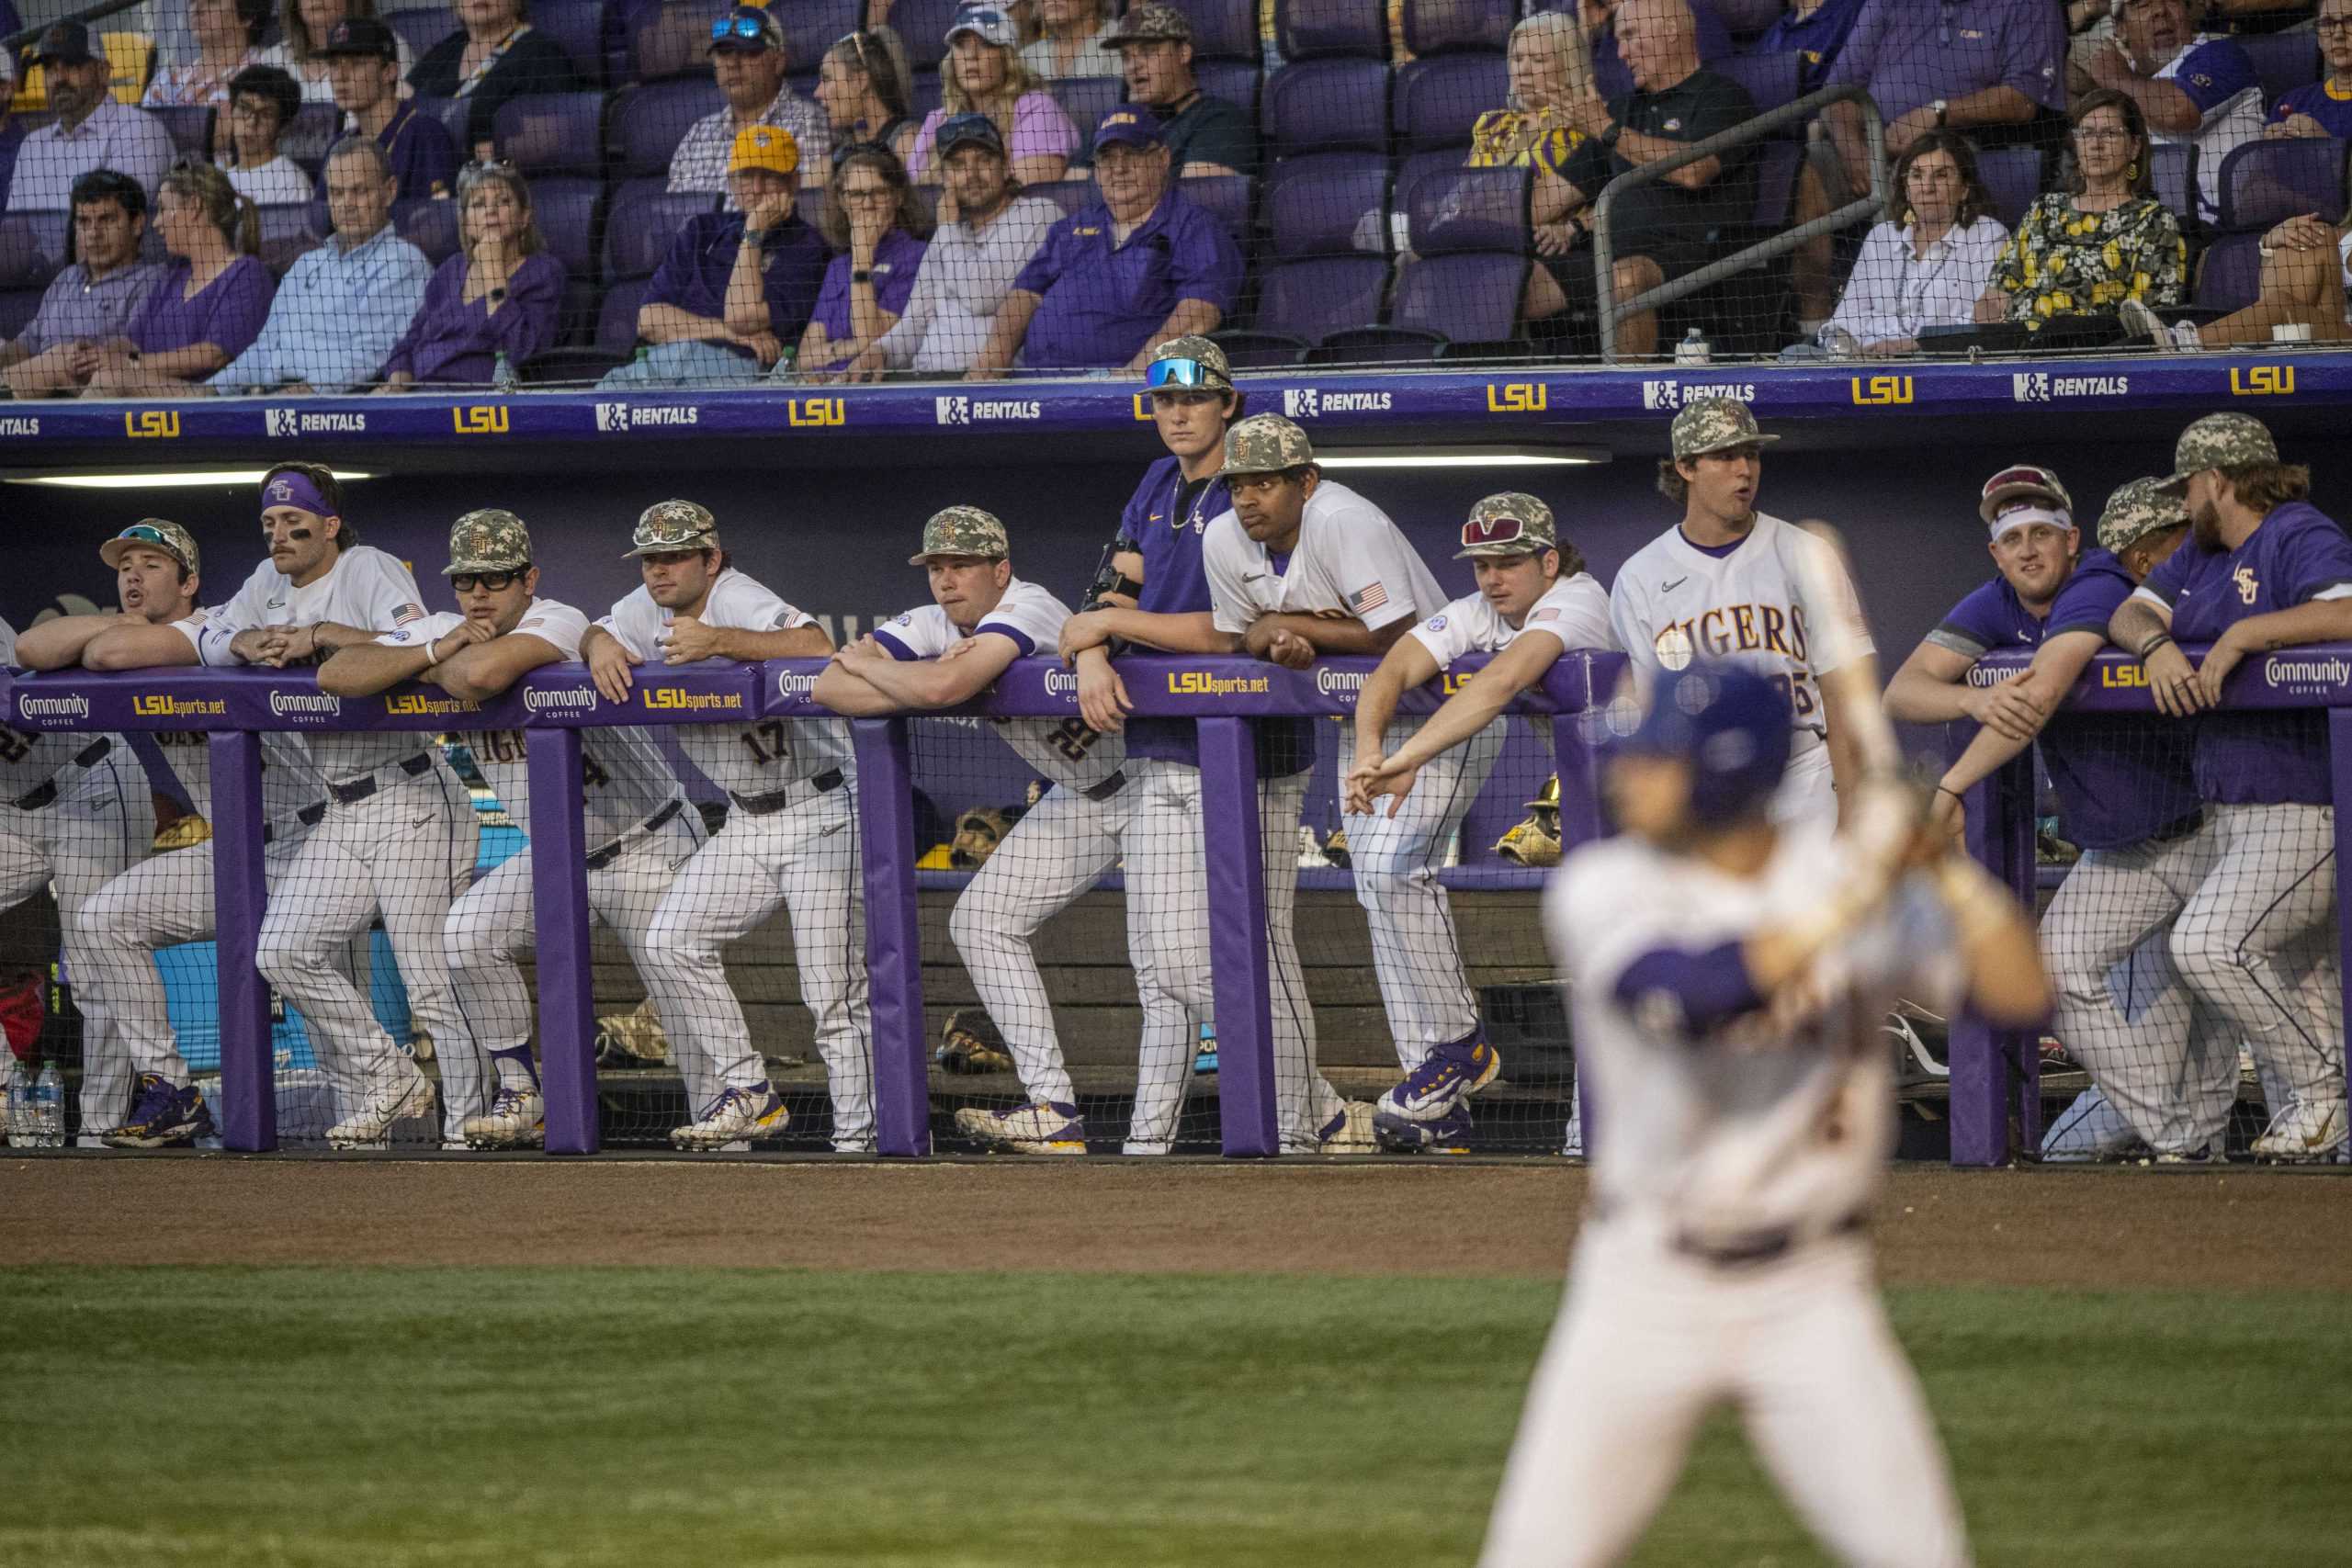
{"x": 740, "y": 30}
{"x": 1183, "y": 373}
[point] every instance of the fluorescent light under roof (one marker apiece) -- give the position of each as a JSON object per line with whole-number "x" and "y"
{"x": 1564, "y": 457}
{"x": 189, "y": 481}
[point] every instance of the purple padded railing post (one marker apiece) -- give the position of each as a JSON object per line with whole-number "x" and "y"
{"x": 1240, "y": 965}
{"x": 2339, "y": 757}
{"x": 885, "y": 824}
{"x": 559, "y": 854}
{"x": 248, "y": 1076}
{"x": 1986, "y": 1063}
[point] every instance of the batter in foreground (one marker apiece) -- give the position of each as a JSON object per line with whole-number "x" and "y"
{"x": 1729, "y": 978}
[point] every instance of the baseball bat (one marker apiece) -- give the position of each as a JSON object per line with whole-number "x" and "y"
{"x": 1838, "y": 629}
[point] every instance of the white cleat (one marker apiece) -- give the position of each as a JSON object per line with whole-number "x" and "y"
{"x": 1041, "y": 1129}
{"x": 2306, "y": 1130}
{"x": 516, "y": 1119}
{"x": 372, "y": 1125}
{"x": 1349, "y": 1133}
{"x": 741, "y": 1116}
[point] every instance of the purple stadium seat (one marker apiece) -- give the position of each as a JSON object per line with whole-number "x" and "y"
{"x": 1258, "y": 351}
{"x": 1315, "y": 205}
{"x": 2013, "y": 176}
{"x": 1306, "y": 28}
{"x": 1222, "y": 29}
{"x": 923, "y": 94}
{"x": 1439, "y": 99}
{"x": 1449, "y": 208}
{"x": 456, "y": 116}
{"x": 648, "y": 122}
{"x": 812, "y": 26}
{"x": 1434, "y": 26}
{"x": 1746, "y": 18}
{"x": 190, "y": 125}
{"x": 422, "y": 28}
{"x": 1225, "y": 198}
{"x": 2229, "y": 275}
{"x": 17, "y": 308}
{"x": 566, "y": 210}
{"x": 1327, "y": 106}
{"x": 32, "y": 248}
{"x": 2283, "y": 62}
{"x": 1776, "y": 183}
{"x": 2171, "y": 169}
{"x": 1771, "y": 80}
{"x": 1469, "y": 297}
{"x": 921, "y": 26}
{"x": 1086, "y": 99}
{"x": 430, "y": 226}
{"x": 1072, "y": 196}
{"x": 579, "y": 26}
{"x": 2264, "y": 183}
{"x": 289, "y": 230}
{"x": 673, "y": 38}
{"x": 809, "y": 207}
{"x": 553, "y": 133}
{"x": 616, "y": 318}
{"x": 637, "y": 230}
{"x": 1377, "y": 345}
{"x": 1310, "y": 299}
{"x": 1237, "y": 82}
{"x": 312, "y": 131}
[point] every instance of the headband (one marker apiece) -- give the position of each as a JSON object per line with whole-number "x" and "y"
{"x": 2026, "y": 515}
{"x": 294, "y": 487}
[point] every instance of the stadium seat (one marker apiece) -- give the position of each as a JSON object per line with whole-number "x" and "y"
{"x": 1222, "y": 29}
{"x": 2283, "y": 62}
{"x": 430, "y": 226}
{"x": 192, "y": 127}
{"x": 809, "y": 207}
{"x": 1318, "y": 205}
{"x": 1771, "y": 80}
{"x": 1237, "y": 82}
{"x": 1776, "y": 165}
{"x": 1449, "y": 208}
{"x": 17, "y": 308}
{"x": 289, "y": 230}
{"x": 553, "y": 134}
{"x": 1437, "y": 26}
{"x": 1226, "y": 197}
{"x": 1377, "y": 345}
{"x": 1258, "y": 351}
{"x": 921, "y": 26}
{"x": 616, "y": 318}
{"x": 1327, "y": 106}
{"x": 2265, "y": 183}
{"x": 1748, "y": 18}
{"x": 1310, "y": 299}
{"x": 566, "y": 210}
{"x": 647, "y": 123}
{"x": 1470, "y": 297}
{"x": 421, "y": 28}
{"x": 1072, "y": 196}
{"x": 812, "y": 26}
{"x": 32, "y": 248}
{"x": 308, "y": 136}
{"x": 2229, "y": 275}
{"x": 456, "y": 116}
{"x": 673, "y": 38}
{"x": 1306, "y": 29}
{"x": 924, "y": 93}
{"x": 637, "y": 230}
{"x": 1086, "y": 99}
{"x": 2013, "y": 176}
{"x": 2172, "y": 170}
{"x": 1438, "y": 100}
{"x": 579, "y": 26}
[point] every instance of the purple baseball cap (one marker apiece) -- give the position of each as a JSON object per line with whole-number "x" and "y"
{"x": 1131, "y": 123}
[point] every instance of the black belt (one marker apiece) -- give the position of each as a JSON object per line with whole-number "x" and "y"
{"x": 1760, "y": 1246}
{"x": 764, "y": 805}
{"x": 361, "y": 788}
{"x": 599, "y": 859}
{"x": 45, "y": 795}
{"x": 309, "y": 817}
{"x": 2179, "y": 828}
{"x": 1108, "y": 787}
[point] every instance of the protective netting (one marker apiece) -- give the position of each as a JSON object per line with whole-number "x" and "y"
{"x": 1323, "y": 181}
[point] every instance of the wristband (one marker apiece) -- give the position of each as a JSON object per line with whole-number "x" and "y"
{"x": 2152, "y": 644}
{"x": 1946, "y": 789}
{"x": 755, "y": 236}
{"x": 857, "y": 276}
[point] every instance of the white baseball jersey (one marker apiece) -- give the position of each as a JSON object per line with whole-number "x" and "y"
{"x": 626, "y": 779}
{"x": 30, "y": 759}
{"x": 289, "y": 779}
{"x": 745, "y": 760}
{"x": 1674, "y": 603}
{"x": 1574, "y": 609}
{"x": 1062, "y": 749}
{"x": 1705, "y": 1131}
{"x": 365, "y": 587}
{"x": 1350, "y": 560}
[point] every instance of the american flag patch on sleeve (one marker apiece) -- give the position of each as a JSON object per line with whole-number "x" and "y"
{"x": 1550, "y": 615}
{"x": 1371, "y": 597}
{"x": 408, "y": 612}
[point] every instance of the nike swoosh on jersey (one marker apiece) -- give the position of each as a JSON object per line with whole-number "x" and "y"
{"x": 1670, "y": 587}
{"x": 1253, "y": 577}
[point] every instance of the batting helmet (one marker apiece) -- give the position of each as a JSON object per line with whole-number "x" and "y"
{"x": 1730, "y": 726}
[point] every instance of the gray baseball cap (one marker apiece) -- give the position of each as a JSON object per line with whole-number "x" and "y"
{"x": 668, "y": 526}
{"x": 1715, "y": 424}
{"x": 491, "y": 539}
{"x": 963, "y": 531}
{"x": 2220, "y": 441}
{"x": 2137, "y": 510}
{"x": 1511, "y": 523}
{"x": 1266, "y": 444}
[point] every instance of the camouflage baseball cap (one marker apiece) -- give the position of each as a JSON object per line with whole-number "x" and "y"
{"x": 963, "y": 531}
{"x": 2220, "y": 441}
{"x": 151, "y": 533}
{"x": 2137, "y": 510}
{"x": 1266, "y": 444}
{"x": 1511, "y": 523}
{"x": 1145, "y": 23}
{"x": 1208, "y": 366}
{"x": 667, "y": 526}
{"x": 491, "y": 539}
{"x": 1715, "y": 424}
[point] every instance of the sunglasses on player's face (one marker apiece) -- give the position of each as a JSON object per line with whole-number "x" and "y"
{"x": 1182, "y": 373}
{"x": 489, "y": 582}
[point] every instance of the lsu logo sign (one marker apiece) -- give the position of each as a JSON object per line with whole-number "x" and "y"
{"x": 2262, "y": 381}
{"x": 1143, "y": 406}
{"x": 159, "y": 424}
{"x": 1201, "y": 683}
{"x": 2121, "y": 677}
{"x": 426, "y": 707}
{"x": 823, "y": 413}
{"x": 1518, "y": 397}
{"x": 480, "y": 419}
{"x": 671, "y": 699}
{"x": 1872, "y": 392}
{"x": 155, "y": 705}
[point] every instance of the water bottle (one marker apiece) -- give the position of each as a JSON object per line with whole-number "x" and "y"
{"x": 502, "y": 375}
{"x": 1693, "y": 349}
{"x": 49, "y": 1109}
{"x": 20, "y": 1106}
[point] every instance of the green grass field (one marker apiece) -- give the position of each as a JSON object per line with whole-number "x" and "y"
{"x": 637, "y": 1416}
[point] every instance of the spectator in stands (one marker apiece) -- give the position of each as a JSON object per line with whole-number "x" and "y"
{"x": 1928, "y": 263}
{"x": 2324, "y": 107}
{"x": 343, "y": 306}
{"x": 1204, "y": 135}
{"x": 1985, "y": 67}
{"x": 1612, "y": 78}
{"x": 209, "y": 304}
{"x": 493, "y": 56}
{"x": 1077, "y": 41}
{"x": 1118, "y": 280}
{"x": 92, "y": 130}
{"x": 983, "y": 74}
{"x": 2195, "y": 89}
{"x": 971, "y": 261}
{"x": 747, "y": 56}
{"x": 2305, "y": 262}
{"x": 228, "y": 39}
{"x": 1660, "y": 230}
{"x": 495, "y": 299}
{"x": 736, "y": 287}
{"x": 361, "y": 54}
{"x": 1815, "y": 29}
{"x": 2103, "y": 240}
{"x": 303, "y": 27}
{"x": 262, "y": 100}
{"x": 94, "y": 299}
{"x": 863, "y": 88}
{"x": 873, "y": 218}
{"x": 1551, "y": 68}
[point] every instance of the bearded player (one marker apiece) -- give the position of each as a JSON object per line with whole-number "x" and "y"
{"x": 1729, "y": 1018}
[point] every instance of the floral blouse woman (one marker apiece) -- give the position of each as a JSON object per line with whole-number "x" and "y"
{"x": 2084, "y": 251}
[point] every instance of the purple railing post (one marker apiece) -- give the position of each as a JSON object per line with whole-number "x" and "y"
{"x": 2339, "y": 758}
{"x": 1986, "y": 1063}
{"x": 885, "y": 823}
{"x": 559, "y": 854}
{"x": 1240, "y": 964}
{"x": 240, "y": 894}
